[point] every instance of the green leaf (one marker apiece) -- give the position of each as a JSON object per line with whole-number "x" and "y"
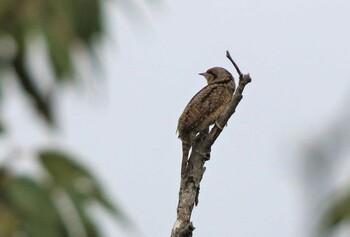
{"x": 338, "y": 212}
{"x": 75, "y": 179}
{"x": 8, "y": 221}
{"x": 65, "y": 171}
{"x": 70, "y": 175}
{"x": 88, "y": 223}
{"x": 41, "y": 102}
{"x": 59, "y": 55}
{"x": 31, "y": 201}
{"x": 85, "y": 17}
{"x": 2, "y": 127}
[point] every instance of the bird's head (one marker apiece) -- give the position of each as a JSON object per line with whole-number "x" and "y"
{"x": 216, "y": 74}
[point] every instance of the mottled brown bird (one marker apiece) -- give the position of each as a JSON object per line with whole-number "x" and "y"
{"x": 204, "y": 108}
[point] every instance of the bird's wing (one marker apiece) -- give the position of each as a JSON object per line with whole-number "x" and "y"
{"x": 204, "y": 104}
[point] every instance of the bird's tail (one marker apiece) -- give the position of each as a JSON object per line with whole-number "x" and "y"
{"x": 185, "y": 152}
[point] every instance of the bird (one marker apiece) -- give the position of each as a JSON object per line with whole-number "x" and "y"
{"x": 204, "y": 108}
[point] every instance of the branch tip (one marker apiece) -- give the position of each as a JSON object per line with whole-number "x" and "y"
{"x": 234, "y": 64}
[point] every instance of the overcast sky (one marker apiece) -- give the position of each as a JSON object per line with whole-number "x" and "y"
{"x": 298, "y": 55}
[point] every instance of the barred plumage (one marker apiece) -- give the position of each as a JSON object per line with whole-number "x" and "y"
{"x": 204, "y": 108}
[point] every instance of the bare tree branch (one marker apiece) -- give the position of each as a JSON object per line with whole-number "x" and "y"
{"x": 190, "y": 184}
{"x": 228, "y": 55}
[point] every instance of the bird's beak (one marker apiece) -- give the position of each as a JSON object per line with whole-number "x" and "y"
{"x": 202, "y": 74}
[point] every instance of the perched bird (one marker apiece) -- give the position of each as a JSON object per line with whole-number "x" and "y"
{"x": 204, "y": 108}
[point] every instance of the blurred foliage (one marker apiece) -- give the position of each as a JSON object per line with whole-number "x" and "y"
{"x": 57, "y": 203}
{"x": 323, "y": 158}
{"x": 63, "y": 24}
{"x": 338, "y": 213}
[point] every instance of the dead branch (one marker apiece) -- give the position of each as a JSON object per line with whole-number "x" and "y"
{"x": 190, "y": 184}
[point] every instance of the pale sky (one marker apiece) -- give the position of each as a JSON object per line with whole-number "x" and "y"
{"x": 298, "y": 55}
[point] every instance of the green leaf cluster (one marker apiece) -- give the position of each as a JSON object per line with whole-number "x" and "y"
{"x": 62, "y": 24}
{"x": 57, "y": 205}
